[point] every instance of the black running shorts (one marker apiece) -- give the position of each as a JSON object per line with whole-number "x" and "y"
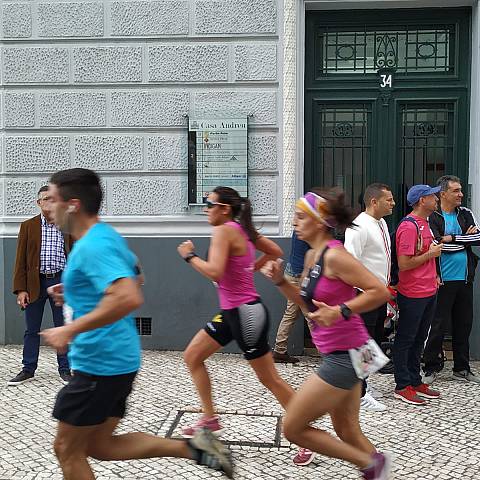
{"x": 90, "y": 399}
{"x": 247, "y": 324}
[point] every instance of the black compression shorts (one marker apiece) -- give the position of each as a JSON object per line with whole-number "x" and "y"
{"x": 247, "y": 324}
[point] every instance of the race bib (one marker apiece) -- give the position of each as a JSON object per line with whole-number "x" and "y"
{"x": 67, "y": 314}
{"x": 367, "y": 359}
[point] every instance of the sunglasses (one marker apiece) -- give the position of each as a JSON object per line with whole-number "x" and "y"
{"x": 210, "y": 204}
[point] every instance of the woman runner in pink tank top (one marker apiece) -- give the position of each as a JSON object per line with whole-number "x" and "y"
{"x": 328, "y": 282}
{"x": 231, "y": 265}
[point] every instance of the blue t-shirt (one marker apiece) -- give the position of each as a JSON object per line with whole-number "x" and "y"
{"x": 97, "y": 259}
{"x": 453, "y": 265}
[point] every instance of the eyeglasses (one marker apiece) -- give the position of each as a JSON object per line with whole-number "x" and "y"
{"x": 210, "y": 204}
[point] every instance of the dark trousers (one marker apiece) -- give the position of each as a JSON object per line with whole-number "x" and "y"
{"x": 375, "y": 322}
{"x": 455, "y": 308}
{"x": 33, "y": 320}
{"x": 416, "y": 315}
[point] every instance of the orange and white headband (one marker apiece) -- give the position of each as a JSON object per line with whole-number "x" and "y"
{"x": 315, "y": 206}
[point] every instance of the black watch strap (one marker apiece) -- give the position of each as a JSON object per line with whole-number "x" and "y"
{"x": 345, "y": 311}
{"x": 189, "y": 256}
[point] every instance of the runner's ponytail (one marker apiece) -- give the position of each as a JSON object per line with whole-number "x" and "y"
{"x": 246, "y": 220}
{"x": 340, "y": 214}
{"x": 241, "y": 209}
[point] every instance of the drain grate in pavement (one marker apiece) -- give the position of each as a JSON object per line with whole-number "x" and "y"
{"x": 248, "y": 430}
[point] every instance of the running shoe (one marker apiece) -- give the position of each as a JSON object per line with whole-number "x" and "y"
{"x": 284, "y": 358}
{"x": 374, "y": 392}
{"x": 209, "y": 451}
{"x": 388, "y": 369}
{"x": 429, "y": 377}
{"x": 65, "y": 376}
{"x": 211, "y": 424}
{"x": 22, "y": 377}
{"x": 409, "y": 395}
{"x": 303, "y": 457}
{"x": 466, "y": 376}
{"x": 423, "y": 390}
{"x": 379, "y": 469}
{"x": 367, "y": 402}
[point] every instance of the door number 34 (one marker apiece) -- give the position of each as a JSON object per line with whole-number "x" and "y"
{"x": 386, "y": 81}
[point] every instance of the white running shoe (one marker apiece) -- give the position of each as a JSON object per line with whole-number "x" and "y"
{"x": 367, "y": 402}
{"x": 374, "y": 392}
{"x": 429, "y": 378}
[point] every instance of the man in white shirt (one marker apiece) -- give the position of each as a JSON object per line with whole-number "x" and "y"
{"x": 369, "y": 242}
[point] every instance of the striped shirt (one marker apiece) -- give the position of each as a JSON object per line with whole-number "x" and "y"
{"x": 52, "y": 251}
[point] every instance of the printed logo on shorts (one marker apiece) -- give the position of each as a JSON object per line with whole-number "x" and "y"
{"x": 217, "y": 318}
{"x": 211, "y": 327}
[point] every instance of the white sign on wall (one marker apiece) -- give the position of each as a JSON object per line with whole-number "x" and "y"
{"x": 217, "y": 156}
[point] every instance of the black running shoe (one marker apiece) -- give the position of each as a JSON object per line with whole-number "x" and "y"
{"x": 22, "y": 377}
{"x": 388, "y": 369}
{"x": 65, "y": 376}
{"x": 284, "y": 358}
{"x": 211, "y": 452}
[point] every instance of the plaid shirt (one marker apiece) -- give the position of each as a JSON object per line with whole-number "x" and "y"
{"x": 52, "y": 251}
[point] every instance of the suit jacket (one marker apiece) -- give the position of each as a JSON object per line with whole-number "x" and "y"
{"x": 26, "y": 275}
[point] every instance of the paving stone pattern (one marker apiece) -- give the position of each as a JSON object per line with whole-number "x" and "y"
{"x": 436, "y": 442}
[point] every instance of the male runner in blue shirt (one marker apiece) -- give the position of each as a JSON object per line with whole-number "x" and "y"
{"x": 100, "y": 291}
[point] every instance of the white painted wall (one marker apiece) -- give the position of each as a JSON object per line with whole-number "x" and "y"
{"x": 106, "y": 84}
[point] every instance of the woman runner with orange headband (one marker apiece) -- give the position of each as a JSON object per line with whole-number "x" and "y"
{"x": 327, "y": 291}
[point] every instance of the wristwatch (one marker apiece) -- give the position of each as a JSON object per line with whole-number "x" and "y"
{"x": 189, "y": 256}
{"x": 345, "y": 311}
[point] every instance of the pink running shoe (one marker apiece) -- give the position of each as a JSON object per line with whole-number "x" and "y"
{"x": 303, "y": 457}
{"x": 211, "y": 424}
{"x": 379, "y": 469}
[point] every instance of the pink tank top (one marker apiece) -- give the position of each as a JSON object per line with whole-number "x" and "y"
{"x": 343, "y": 334}
{"x": 236, "y": 287}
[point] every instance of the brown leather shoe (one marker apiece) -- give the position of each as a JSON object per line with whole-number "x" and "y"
{"x": 284, "y": 358}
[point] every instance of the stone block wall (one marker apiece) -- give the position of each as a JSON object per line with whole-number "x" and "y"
{"x": 107, "y": 84}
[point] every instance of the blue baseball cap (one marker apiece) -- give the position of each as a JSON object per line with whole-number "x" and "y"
{"x": 419, "y": 191}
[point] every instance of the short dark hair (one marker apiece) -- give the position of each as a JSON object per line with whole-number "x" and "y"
{"x": 43, "y": 188}
{"x": 375, "y": 191}
{"x": 80, "y": 183}
{"x": 443, "y": 182}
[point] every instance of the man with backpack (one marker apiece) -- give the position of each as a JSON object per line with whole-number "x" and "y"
{"x": 369, "y": 242}
{"x": 457, "y": 228}
{"x": 417, "y": 292}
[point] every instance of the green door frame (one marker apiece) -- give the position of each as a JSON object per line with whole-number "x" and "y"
{"x": 412, "y": 88}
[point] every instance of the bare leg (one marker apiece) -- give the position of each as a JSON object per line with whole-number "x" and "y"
{"x": 71, "y": 445}
{"x": 314, "y": 399}
{"x": 106, "y": 446}
{"x": 346, "y": 422}
{"x": 198, "y": 350}
{"x": 268, "y": 376}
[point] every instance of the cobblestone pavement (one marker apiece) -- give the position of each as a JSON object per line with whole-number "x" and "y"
{"x": 436, "y": 442}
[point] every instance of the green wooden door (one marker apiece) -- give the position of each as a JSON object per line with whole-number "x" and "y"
{"x": 386, "y": 98}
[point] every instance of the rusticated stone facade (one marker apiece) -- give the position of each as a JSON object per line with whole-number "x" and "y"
{"x": 107, "y": 84}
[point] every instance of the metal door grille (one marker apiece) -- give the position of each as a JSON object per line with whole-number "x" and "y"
{"x": 406, "y": 50}
{"x": 344, "y": 148}
{"x": 427, "y": 141}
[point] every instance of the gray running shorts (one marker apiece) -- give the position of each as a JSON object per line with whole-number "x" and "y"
{"x": 337, "y": 370}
